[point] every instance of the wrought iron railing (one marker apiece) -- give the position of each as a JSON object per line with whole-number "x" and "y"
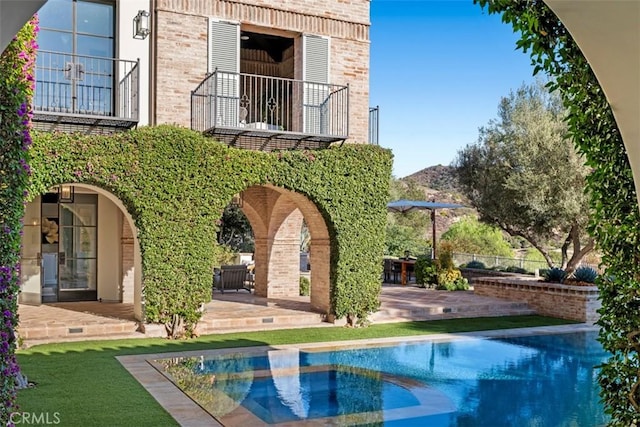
{"x": 493, "y": 261}
{"x": 374, "y": 125}
{"x": 86, "y": 85}
{"x": 271, "y": 104}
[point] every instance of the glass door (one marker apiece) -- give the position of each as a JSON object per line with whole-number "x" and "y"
{"x": 74, "y": 72}
{"x": 78, "y": 249}
{"x": 31, "y": 259}
{"x": 50, "y": 238}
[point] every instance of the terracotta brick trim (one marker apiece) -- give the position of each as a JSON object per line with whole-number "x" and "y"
{"x": 271, "y": 17}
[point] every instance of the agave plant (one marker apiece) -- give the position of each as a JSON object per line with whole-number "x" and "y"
{"x": 555, "y": 274}
{"x": 585, "y": 274}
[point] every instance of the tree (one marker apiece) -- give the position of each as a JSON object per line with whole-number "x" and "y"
{"x": 473, "y": 237}
{"x": 235, "y": 230}
{"x": 525, "y": 176}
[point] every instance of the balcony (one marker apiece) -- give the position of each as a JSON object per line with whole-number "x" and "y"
{"x": 374, "y": 125}
{"x": 79, "y": 93}
{"x": 270, "y": 113}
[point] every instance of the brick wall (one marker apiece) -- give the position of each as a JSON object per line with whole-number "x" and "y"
{"x": 276, "y": 217}
{"x": 180, "y": 42}
{"x": 578, "y": 303}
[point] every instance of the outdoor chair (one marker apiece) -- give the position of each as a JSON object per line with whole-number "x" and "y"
{"x": 232, "y": 277}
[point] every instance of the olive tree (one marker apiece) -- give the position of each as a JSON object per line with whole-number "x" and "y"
{"x": 525, "y": 176}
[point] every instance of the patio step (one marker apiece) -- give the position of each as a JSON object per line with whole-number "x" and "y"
{"x": 81, "y": 331}
{"x": 434, "y": 312}
{"x": 261, "y": 322}
{"x": 51, "y": 323}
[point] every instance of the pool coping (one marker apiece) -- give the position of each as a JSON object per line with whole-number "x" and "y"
{"x": 189, "y": 414}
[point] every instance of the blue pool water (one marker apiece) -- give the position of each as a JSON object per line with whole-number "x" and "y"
{"x": 540, "y": 380}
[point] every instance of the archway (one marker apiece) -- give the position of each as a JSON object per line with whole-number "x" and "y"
{"x": 80, "y": 244}
{"x": 609, "y": 37}
{"x": 276, "y": 216}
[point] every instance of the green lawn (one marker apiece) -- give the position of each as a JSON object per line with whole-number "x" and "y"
{"x": 86, "y": 386}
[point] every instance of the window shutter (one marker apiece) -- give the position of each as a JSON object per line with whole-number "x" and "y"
{"x": 316, "y": 59}
{"x": 224, "y": 46}
{"x": 224, "y": 56}
{"x": 315, "y": 75}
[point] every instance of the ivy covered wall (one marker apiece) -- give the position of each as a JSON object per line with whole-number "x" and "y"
{"x": 175, "y": 184}
{"x": 615, "y": 218}
{"x": 16, "y": 92}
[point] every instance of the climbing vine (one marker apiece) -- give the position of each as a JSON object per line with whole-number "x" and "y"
{"x": 16, "y": 90}
{"x": 175, "y": 183}
{"x": 614, "y": 205}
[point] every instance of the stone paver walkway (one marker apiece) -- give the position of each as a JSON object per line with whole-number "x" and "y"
{"x": 241, "y": 311}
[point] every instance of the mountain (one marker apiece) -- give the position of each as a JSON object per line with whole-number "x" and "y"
{"x": 438, "y": 178}
{"x": 440, "y": 184}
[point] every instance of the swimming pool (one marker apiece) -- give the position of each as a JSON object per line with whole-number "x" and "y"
{"x": 532, "y": 380}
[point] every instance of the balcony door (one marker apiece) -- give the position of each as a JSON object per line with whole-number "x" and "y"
{"x": 75, "y": 67}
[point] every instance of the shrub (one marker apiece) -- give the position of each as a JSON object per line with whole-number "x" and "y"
{"x": 445, "y": 287}
{"x": 445, "y": 257}
{"x": 585, "y": 274}
{"x": 476, "y": 264}
{"x": 16, "y": 92}
{"x": 556, "y": 275}
{"x": 461, "y": 284}
{"x": 425, "y": 270}
{"x": 305, "y": 286}
{"x": 223, "y": 255}
{"x": 471, "y": 236}
{"x": 514, "y": 269}
{"x": 447, "y": 278}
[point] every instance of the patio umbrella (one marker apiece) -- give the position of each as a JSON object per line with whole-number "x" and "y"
{"x": 403, "y": 206}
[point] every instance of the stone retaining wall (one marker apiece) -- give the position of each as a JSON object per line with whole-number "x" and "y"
{"x": 578, "y": 303}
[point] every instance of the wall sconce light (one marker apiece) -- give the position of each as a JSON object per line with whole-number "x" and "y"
{"x": 236, "y": 201}
{"x": 65, "y": 194}
{"x": 141, "y": 27}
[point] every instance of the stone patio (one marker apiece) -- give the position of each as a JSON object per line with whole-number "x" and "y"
{"x": 241, "y": 311}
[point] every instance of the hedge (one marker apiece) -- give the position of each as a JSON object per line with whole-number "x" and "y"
{"x": 16, "y": 92}
{"x": 615, "y": 218}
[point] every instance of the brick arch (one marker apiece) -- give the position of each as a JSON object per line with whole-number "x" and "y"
{"x": 276, "y": 217}
{"x": 130, "y": 282}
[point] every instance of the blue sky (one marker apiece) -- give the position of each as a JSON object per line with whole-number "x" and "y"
{"x": 438, "y": 71}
